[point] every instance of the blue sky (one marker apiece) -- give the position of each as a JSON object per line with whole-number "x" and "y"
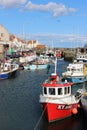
{"x": 57, "y": 23}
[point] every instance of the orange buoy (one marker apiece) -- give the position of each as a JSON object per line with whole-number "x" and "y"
{"x": 74, "y": 111}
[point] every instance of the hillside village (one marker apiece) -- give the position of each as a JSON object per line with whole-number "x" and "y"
{"x": 10, "y": 42}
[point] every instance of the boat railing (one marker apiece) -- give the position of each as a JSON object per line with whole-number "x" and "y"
{"x": 47, "y": 81}
{"x": 79, "y": 93}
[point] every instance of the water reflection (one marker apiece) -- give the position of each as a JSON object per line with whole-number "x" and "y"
{"x": 75, "y": 122}
{"x": 66, "y": 124}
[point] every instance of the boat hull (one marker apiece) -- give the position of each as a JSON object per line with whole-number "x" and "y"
{"x": 36, "y": 67}
{"x": 7, "y": 75}
{"x": 55, "y": 112}
{"x": 3, "y": 76}
{"x": 42, "y": 66}
{"x": 76, "y": 79}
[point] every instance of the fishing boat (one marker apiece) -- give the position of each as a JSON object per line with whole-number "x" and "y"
{"x": 27, "y": 56}
{"x": 81, "y": 57}
{"x": 35, "y": 66}
{"x": 76, "y": 72}
{"x": 8, "y": 70}
{"x": 39, "y": 64}
{"x": 57, "y": 100}
{"x": 84, "y": 101}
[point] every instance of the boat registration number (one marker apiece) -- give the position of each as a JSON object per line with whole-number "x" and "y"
{"x": 63, "y": 106}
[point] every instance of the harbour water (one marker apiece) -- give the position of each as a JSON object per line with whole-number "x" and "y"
{"x": 19, "y": 103}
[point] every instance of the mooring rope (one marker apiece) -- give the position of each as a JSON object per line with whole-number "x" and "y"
{"x": 40, "y": 118}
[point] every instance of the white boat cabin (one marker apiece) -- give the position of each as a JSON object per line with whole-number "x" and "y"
{"x": 55, "y": 89}
{"x": 76, "y": 69}
{"x": 81, "y": 57}
{"x": 4, "y": 67}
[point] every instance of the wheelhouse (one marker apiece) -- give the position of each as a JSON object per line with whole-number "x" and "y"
{"x": 52, "y": 89}
{"x": 57, "y": 91}
{"x": 75, "y": 68}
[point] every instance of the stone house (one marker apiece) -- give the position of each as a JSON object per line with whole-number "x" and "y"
{"x": 4, "y": 34}
{"x": 32, "y": 44}
{"x": 4, "y": 40}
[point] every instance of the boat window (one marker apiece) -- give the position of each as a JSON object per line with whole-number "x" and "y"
{"x": 68, "y": 69}
{"x": 81, "y": 69}
{"x": 52, "y": 91}
{"x": 78, "y": 70}
{"x": 65, "y": 90}
{"x": 68, "y": 89}
{"x": 73, "y": 70}
{"x": 5, "y": 65}
{"x": 60, "y": 91}
{"x": 45, "y": 90}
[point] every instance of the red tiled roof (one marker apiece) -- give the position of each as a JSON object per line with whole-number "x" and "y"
{"x": 40, "y": 46}
{"x": 12, "y": 37}
{"x": 31, "y": 42}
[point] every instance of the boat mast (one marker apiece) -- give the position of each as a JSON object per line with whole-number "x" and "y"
{"x": 55, "y": 65}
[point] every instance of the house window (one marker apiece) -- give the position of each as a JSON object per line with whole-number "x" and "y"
{"x": 2, "y": 34}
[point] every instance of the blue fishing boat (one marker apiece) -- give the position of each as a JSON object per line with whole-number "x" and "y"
{"x": 39, "y": 64}
{"x": 76, "y": 72}
{"x": 35, "y": 66}
{"x": 8, "y": 70}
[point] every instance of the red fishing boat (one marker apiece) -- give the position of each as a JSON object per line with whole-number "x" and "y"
{"x": 57, "y": 99}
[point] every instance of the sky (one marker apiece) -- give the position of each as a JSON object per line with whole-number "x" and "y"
{"x": 56, "y": 23}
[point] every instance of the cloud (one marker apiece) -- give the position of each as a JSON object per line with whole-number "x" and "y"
{"x": 54, "y": 8}
{"x": 11, "y": 3}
